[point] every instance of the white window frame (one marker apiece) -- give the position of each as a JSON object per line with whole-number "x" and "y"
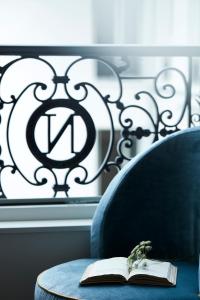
{"x": 20, "y": 218}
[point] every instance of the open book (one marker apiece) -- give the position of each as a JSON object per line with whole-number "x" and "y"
{"x": 115, "y": 270}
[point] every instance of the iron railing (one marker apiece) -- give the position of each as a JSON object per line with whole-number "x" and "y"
{"x": 50, "y": 103}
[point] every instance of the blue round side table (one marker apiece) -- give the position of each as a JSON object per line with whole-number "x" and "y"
{"x": 62, "y": 282}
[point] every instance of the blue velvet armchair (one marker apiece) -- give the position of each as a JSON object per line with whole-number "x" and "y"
{"x": 155, "y": 197}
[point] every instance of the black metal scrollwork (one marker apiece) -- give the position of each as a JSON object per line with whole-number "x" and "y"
{"x": 47, "y": 118}
{"x": 161, "y": 126}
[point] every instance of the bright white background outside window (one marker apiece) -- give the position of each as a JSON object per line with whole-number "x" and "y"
{"x": 74, "y": 22}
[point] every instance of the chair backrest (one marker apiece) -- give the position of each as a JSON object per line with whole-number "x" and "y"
{"x": 155, "y": 197}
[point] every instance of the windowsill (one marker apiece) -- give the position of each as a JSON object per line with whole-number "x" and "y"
{"x": 46, "y": 217}
{"x": 45, "y": 226}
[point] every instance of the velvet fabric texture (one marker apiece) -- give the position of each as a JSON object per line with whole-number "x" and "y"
{"x": 155, "y": 197}
{"x": 199, "y": 275}
{"x": 62, "y": 282}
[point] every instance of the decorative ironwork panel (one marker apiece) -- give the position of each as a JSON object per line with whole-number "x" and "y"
{"x": 55, "y": 100}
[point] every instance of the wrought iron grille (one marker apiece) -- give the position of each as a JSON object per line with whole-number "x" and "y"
{"x": 54, "y": 101}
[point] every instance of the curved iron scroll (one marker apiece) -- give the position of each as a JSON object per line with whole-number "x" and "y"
{"x": 75, "y": 119}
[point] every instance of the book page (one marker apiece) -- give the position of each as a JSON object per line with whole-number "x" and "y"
{"x": 154, "y": 268}
{"x": 110, "y": 266}
{"x": 172, "y": 275}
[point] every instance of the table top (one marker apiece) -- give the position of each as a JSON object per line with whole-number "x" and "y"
{"x": 63, "y": 280}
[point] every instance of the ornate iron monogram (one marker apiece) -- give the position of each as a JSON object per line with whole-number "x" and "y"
{"x": 58, "y": 135}
{"x": 78, "y": 111}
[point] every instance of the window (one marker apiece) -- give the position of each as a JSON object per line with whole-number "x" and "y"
{"x": 69, "y": 113}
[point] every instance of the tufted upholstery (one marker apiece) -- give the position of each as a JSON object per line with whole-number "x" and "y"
{"x": 155, "y": 197}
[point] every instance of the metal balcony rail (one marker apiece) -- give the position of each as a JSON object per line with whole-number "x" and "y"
{"x": 57, "y": 103}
